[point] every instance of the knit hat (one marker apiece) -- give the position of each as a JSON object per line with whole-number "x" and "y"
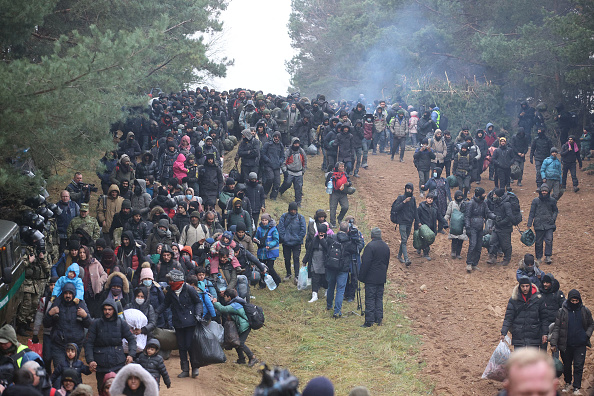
{"x": 230, "y": 181}
{"x": 293, "y": 206}
{"x": 116, "y": 281}
{"x": 147, "y": 273}
{"x": 319, "y": 386}
{"x": 544, "y": 187}
{"x": 101, "y": 242}
{"x": 499, "y": 192}
{"x": 175, "y": 276}
{"x": 524, "y": 280}
{"x": 479, "y": 191}
{"x": 195, "y": 214}
{"x": 554, "y": 150}
{"x": 240, "y": 227}
{"x": 529, "y": 259}
{"x": 73, "y": 244}
{"x": 547, "y": 278}
{"x": 228, "y": 235}
{"x": 502, "y": 139}
{"x": 71, "y": 375}
{"x": 126, "y": 204}
{"x": 376, "y": 233}
{"x": 182, "y": 204}
{"x": 322, "y": 228}
{"x": 246, "y": 133}
{"x": 265, "y": 216}
{"x": 253, "y": 175}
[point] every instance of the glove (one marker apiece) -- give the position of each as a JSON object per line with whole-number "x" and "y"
{"x": 35, "y": 339}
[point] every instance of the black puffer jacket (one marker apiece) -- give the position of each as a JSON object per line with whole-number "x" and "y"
{"x": 524, "y": 319}
{"x": 272, "y": 155}
{"x": 256, "y": 196}
{"x": 561, "y": 329}
{"x": 405, "y": 212}
{"x": 210, "y": 178}
{"x": 349, "y": 247}
{"x": 104, "y": 343}
{"x": 429, "y": 215}
{"x": 475, "y": 214}
{"x": 541, "y": 147}
{"x": 374, "y": 262}
{"x": 543, "y": 213}
{"x": 346, "y": 146}
{"x": 552, "y": 300}
{"x": 249, "y": 152}
{"x": 65, "y": 326}
{"x": 503, "y": 214}
{"x": 146, "y": 168}
{"x": 185, "y": 308}
{"x": 154, "y": 364}
{"x": 503, "y": 157}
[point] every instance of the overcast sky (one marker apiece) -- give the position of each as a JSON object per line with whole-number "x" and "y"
{"x": 255, "y": 35}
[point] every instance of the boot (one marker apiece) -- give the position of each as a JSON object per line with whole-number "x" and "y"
{"x": 314, "y": 297}
{"x": 453, "y": 252}
{"x": 185, "y": 366}
{"x": 505, "y": 263}
{"x": 548, "y": 260}
{"x": 492, "y": 259}
{"x": 194, "y": 372}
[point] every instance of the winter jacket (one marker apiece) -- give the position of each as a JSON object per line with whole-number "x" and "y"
{"x": 328, "y": 142}
{"x": 462, "y": 164}
{"x": 69, "y": 212}
{"x": 374, "y": 262}
{"x": 146, "y": 308}
{"x": 535, "y": 274}
{"x": 346, "y": 146}
{"x": 551, "y": 169}
{"x": 75, "y": 364}
{"x": 124, "y": 297}
{"x": 107, "y": 207}
{"x": 525, "y": 319}
{"x": 428, "y": 215}
{"x": 235, "y": 309}
{"x": 291, "y": 229}
{"x": 295, "y": 160}
{"x": 179, "y": 169}
{"x": 77, "y": 282}
{"x": 425, "y": 126}
{"x": 140, "y": 230}
{"x": 570, "y": 156}
{"x": 422, "y": 159}
{"x": 249, "y": 152}
{"x": 142, "y": 201}
{"x": 405, "y": 212}
{"x": 560, "y": 336}
{"x": 543, "y": 213}
{"x": 552, "y": 300}
{"x": 439, "y": 148}
{"x": 185, "y": 308}
{"x": 155, "y": 365}
{"x": 475, "y": 214}
{"x": 399, "y": 126}
{"x": 541, "y": 147}
{"x": 98, "y": 277}
{"x": 210, "y": 178}
{"x": 503, "y": 214}
{"x": 503, "y": 157}
{"x": 256, "y": 195}
{"x": 65, "y": 326}
{"x": 122, "y": 172}
{"x": 301, "y": 131}
{"x": 129, "y": 147}
{"x": 166, "y": 162}
{"x": 119, "y": 386}
{"x": 235, "y": 217}
{"x": 519, "y": 145}
{"x": 348, "y": 249}
{"x": 272, "y": 155}
{"x": 147, "y": 167}
{"x": 453, "y": 205}
{"x": 190, "y": 234}
{"x": 268, "y": 237}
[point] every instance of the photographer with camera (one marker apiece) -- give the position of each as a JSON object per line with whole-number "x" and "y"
{"x": 79, "y": 191}
{"x": 353, "y": 290}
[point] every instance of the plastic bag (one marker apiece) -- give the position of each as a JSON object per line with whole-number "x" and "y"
{"x": 166, "y": 338}
{"x": 528, "y": 238}
{"x": 457, "y": 222}
{"x": 205, "y": 347}
{"x": 231, "y": 338}
{"x": 487, "y": 241}
{"x": 243, "y": 287}
{"x": 495, "y": 369}
{"x": 302, "y": 279}
{"x": 37, "y": 348}
{"x": 136, "y": 320}
{"x": 217, "y": 330}
{"x": 417, "y": 243}
{"x": 515, "y": 171}
{"x": 426, "y": 235}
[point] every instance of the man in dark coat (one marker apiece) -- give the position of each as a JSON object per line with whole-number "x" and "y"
{"x": 255, "y": 195}
{"x": 543, "y": 214}
{"x": 186, "y": 309}
{"x": 571, "y": 335}
{"x": 524, "y": 316}
{"x": 346, "y": 148}
{"x": 104, "y": 348}
{"x": 501, "y": 236}
{"x": 63, "y": 318}
{"x": 552, "y": 300}
{"x": 404, "y": 214}
{"x": 475, "y": 214}
{"x": 291, "y": 231}
{"x": 503, "y": 159}
{"x": 373, "y": 272}
{"x": 519, "y": 144}
{"x": 570, "y": 153}
{"x": 540, "y": 149}
{"x": 130, "y": 147}
{"x": 272, "y": 158}
{"x": 249, "y": 153}
{"x": 210, "y": 179}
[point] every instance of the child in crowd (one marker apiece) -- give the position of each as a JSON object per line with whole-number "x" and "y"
{"x": 206, "y": 284}
{"x": 151, "y": 361}
{"x": 207, "y": 307}
{"x": 72, "y": 362}
{"x": 70, "y": 277}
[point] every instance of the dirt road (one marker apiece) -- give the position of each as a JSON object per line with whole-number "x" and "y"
{"x": 460, "y": 315}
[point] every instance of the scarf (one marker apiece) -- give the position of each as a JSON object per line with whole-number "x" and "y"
{"x": 176, "y": 285}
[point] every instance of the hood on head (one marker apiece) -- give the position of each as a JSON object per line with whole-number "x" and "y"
{"x": 72, "y": 345}
{"x": 113, "y": 187}
{"x": 69, "y": 287}
{"x": 489, "y": 125}
{"x": 409, "y": 185}
{"x": 295, "y": 139}
{"x": 130, "y": 236}
{"x": 125, "y": 286}
{"x": 111, "y": 303}
{"x": 573, "y": 293}
{"x": 8, "y": 333}
{"x": 149, "y": 155}
{"x": 181, "y": 158}
{"x": 140, "y": 183}
{"x": 153, "y": 342}
{"x": 187, "y": 249}
{"x": 74, "y": 268}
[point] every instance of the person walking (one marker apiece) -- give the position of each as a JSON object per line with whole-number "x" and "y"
{"x": 373, "y": 273}
{"x": 475, "y": 213}
{"x": 291, "y": 230}
{"x": 404, "y": 214}
{"x": 543, "y": 215}
{"x": 550, "y": 173}
{"x": 570, "y": 153}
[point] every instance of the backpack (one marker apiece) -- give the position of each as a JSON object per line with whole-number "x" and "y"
{"x": 333, "y": 255}
{"x": 255, "y": 315}
{"x": 515, "y": 206}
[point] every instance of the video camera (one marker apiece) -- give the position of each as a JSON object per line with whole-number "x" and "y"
{"x": 353, "y": 232}
{"x": 87, "y": 188}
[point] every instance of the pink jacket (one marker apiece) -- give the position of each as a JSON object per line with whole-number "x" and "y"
{"x": 214, "y": 263}
{"x": 179, "y": 169}
{"x": 98, "y": 275}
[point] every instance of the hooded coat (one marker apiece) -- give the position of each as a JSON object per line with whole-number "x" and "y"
{"x": 563, "y": 335}
{"x": 374, "y": 262}
{"x": 249, "y": 152}
{"x": 291, "y": 229}
{"x": 147, "y": 167}
{"x": 154, "y": 364}
{"x": 543, "y": 213}
{"x": 104, "y": 341}
{"x": 146, "y": 308}
{"x": 125, "y": 299}
{"x": 346, "y": 145}
{"x": 179, "y": 168}
{"x": 107, "y": 207}
{"x": 141, "y": 201}
{"x": 77, "y": 282}
{"x": 552, "y": 300}
{"x": 524, "y": 318}
{"x": 123, "y": 171}
{"x": 185, "y": 307}
{"x": 235, "y": 216}
{"x": 148, "y": 385}
{"x": 405, "y": 212}
{"x": 65, "y": 326}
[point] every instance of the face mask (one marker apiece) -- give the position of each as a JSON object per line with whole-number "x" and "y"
{"x": 459, "y": 199}
{"x": 116, "y": 292}
{"x": 408, "y": 193}
{"x": 189, "y": 197}
{"x": 179, "y": 112}
{"x": 434, "y": 174}
{"x": 139, "y": 301}
{"x": 147, "y": 282}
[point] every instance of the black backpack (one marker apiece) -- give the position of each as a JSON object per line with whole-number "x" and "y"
{"x": 334, "y": 255}
{"x": 515, "y": 206}
{"x": 255, "y": 315}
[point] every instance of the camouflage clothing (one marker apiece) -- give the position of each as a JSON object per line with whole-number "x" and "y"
{"x": 89, "y": 224}
{"x": 36, "y": 275}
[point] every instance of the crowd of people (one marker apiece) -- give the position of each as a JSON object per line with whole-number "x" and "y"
{"x": 180, "y": 241}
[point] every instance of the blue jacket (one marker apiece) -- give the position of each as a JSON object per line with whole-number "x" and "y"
{"x": 271, "y": 240}
{"x": 77, "y": 282}
{"x": 292, "y": 229}
{"x": 551, "y": 168}
{"x": 207, "y": 307}
{"x": 69, "y": 212}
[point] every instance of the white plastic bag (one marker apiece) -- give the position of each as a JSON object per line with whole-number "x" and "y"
{"x": 495, "y": 369}
{"x": 302, "y": 279}
{"x": 136, "y": 320}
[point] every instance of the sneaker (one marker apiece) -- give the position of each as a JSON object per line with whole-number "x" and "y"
{"x": 453, "y": 255}
{"x": 364, "y": 166}
{"x": 576, "y": 391}
{"x": 367, "y": 324}
{"x": 401, "y": 259}
{"x": 240, "y": 361}
{"x": 548, "y": 260}
{"x": 492, "y": 259}
{"x": 314, "y": 297}
{"x": 475, "y": 268}
{"x": 287, "y": 278}
{"x": 295, "y": 281}
{"x": 401, "y": 160}
{"x": 419, "y": 251}
{"x": 253, "y": 361}
{"x": 519, "y": 184}
{"x": 356, "y": 175}
{"x": 469, "y": 268}
{"x": 428, "y": 258}
{"x": 374, "y": 153}
{"x": 567, "y": 388}
{"x": 459, "y": 257}
{"x": 408, "y": 263}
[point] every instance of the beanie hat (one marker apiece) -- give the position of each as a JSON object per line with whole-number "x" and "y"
{"x": 71, "y": 375}
{"x": 376, "y": 233}
{"x": 228, "y": 235}
{"x": 163, "y": 223}
{"x": 230, "y": 181}
{"x": 246, "y": 133}
{"x": 319, "y": 386}
{"x": 524, "y": 280}
{"x": 240, "y": 227}
{"x": 195, "y": 214}
{"x": 528, "y": 259}
{"x": 252, "y": 175}
{"x": 126, "y": 204}
{"x": 73, "y": 244}
{"x": 116, "y": 281}
{"x": 554, "y": 150}
{"x": 175, "y": 276}
{"x": 499, "y": 192}
{"x": 101, "y": 242}
{"x": 502, "y": 139}
{"x": 293, "y": 206}
{"x": 479, "y": 191}
{"x": 265, "y": 216}
{"x": 547, "y": 278}
{"x": 182, "y": 204}
{"x": 322, "y": 228}
{"x": 147, "y": 273}
{"x": 544, "y": 187}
